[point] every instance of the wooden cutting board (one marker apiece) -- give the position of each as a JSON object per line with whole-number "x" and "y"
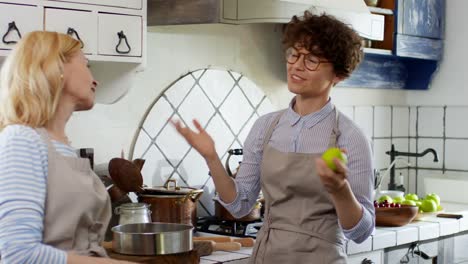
{"x": 188, "y": 257}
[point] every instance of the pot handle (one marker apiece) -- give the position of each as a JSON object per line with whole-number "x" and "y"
{"x": 168, "y": 187}
{"x": 193, "y": 195}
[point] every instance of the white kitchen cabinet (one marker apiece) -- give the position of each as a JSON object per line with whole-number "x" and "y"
{"x": 373, "y": 257}
{"x": 134, "y": 4}
{"x": 120, "y": 35}
{"x": 77, "y": 23}
{"x": 97, "y": 24}
{"x": 16, "y": 21}
{"x": 370, "y": 26}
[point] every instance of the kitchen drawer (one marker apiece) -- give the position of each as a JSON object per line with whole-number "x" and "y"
{"x": 25, "y": 18}
{"x": 374, "y": 257}
{"x": 133, "y": 4}
{"x": 81, "y": 25}
{"x": 114, "y": 29}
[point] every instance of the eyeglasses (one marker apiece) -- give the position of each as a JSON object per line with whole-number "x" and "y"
{"x": 311, "y": 62}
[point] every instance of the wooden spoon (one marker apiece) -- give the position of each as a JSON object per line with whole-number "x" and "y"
{"x": 139, "y": 163}
{"x": 126, "y": 175}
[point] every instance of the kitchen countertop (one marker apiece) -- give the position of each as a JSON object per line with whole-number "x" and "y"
{"x": 384, "y": 237}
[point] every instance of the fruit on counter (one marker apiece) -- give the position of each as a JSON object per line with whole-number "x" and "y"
{"x": 409, "y": 202}
{"x": 428, "y": 205}
{"x": 434, "y": 197}
{"x": 399, "y": 199}
{"x": 332, "y": 153}
{"x": 384, "y": 198}
{"x": 411, "y": 196}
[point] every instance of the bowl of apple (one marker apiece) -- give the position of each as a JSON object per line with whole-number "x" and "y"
{"x": 394, "y": 214}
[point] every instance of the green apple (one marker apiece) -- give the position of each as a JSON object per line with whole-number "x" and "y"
{"x": 428, "y": 205}
{"x": 411, "y": 196}
{"x": 409, "y": 202}
{"x": 385, "y": 197}
{"x": 399, "y": 199}
{"x": 434, "y": 197}
{"x": 332, "y": 153}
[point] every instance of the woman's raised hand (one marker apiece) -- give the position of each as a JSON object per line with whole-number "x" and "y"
{"x": 200, "y": 141}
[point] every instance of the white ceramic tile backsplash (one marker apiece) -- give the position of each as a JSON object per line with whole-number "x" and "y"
{"x": 430, "y": 121}
{"x": 217, "y": 85}
{"x": 456, "y": 122}
{"x": 363, "y": 116}
{"x": 382, "y": 121}
{"x": 236, "y": 110}
{"x": 455, "y": 154}
{"x": 413, "y": 123}
{"x": 400, "y": 126}
{"x": 382, "y": 160}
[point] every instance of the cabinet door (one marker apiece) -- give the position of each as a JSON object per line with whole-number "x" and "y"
{"x": 421, "y": 18}
{"x": 374, "y": 257}
{"x": 120, "y": 35}
{"x": 134, "y": 4}
{"x": 81, "y": 25}
{"x": 16, "y": 21}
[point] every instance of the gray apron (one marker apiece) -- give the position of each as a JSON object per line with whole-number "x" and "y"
{"x": 300, "y": 223}
{"x": 77, "y": 207}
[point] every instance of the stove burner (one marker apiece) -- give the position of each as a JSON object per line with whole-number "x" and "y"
{"x": 214, "y": 225}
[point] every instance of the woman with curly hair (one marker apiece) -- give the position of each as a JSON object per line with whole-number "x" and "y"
{"x": 310, "y": 209}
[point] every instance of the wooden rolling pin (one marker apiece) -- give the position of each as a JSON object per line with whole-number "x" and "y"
{"x": 245, "y": 241}
{"x": 207, "y": 247}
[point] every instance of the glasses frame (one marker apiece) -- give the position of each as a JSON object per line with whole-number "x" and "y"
{"x": 302, "y": 54}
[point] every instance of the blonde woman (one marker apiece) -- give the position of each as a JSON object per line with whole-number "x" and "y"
{"x": 53, "y": 208}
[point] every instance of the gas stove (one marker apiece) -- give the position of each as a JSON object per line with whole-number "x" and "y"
{"x": 214, "y": 225}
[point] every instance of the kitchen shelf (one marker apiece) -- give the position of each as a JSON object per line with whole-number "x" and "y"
{"x": 381, "y": 11}
{"x": 377, "y": 51}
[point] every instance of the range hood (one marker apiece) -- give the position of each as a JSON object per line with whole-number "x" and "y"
{"x": 175, "y": 12}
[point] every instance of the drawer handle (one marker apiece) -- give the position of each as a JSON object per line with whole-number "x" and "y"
{"x": 367, "y": 261}
{"x": 121, "y": 36}
{"x": 11, "y": 26}
{"x": 71, "y": 32}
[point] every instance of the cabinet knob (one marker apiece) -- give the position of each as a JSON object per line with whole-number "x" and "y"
{"x": 11, "y": 27}
{"x": 71, "y": 31}
{"x": 121, "y": 36}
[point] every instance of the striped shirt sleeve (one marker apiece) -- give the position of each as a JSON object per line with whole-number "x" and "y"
{"x": 23, "y": 176}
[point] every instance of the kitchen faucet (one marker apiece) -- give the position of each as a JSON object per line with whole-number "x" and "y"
{"x": 379, "y": 179}
{"x": 393, "y": 153}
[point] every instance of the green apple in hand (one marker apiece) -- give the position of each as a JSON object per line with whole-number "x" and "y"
{"x": 434, "y": 197}
{"x": 332, "y": 153}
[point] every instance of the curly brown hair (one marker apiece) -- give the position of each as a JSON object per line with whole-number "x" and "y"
{"x": 326, "y": 37}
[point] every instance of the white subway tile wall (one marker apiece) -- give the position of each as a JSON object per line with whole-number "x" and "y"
{"x": 414, "y": 129}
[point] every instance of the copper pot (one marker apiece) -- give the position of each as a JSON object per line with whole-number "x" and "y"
{"x": 172, "y": 204}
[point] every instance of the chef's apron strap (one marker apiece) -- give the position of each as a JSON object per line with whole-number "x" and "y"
{"x": 272, "y": 127}
{"x": 336, "y": 130}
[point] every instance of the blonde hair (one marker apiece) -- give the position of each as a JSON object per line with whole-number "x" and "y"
{"x": 31, "y": 79}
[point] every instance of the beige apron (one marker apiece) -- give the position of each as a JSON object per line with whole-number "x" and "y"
{"x": 77, "y": 207}
{"x": 300, "y": 224}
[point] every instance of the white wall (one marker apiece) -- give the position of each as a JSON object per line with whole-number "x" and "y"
{"x": 449, "y": 86}
{"x": 253, "y": 50}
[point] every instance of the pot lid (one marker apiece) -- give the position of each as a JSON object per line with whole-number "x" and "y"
{"x": 169, "y": 189}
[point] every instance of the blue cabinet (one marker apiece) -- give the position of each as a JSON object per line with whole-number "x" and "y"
{"x": 416, "y": 48}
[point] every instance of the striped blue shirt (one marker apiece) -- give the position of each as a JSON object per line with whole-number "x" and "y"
{"x": 308, "y": 134}
{"x": 23, "y": 183}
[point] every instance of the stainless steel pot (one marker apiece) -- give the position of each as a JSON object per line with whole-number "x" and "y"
{"x": 152, "y": 239}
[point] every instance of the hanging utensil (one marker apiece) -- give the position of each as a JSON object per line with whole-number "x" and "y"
{"x": 126, "y": 175}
